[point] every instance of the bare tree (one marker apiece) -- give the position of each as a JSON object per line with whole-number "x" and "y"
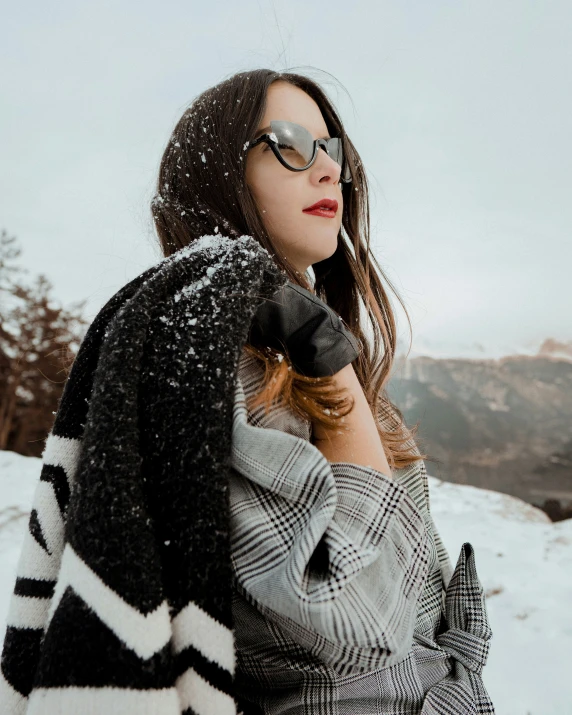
{"x": 38, "y": 342}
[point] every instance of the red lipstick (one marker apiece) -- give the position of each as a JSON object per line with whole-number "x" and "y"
{"x": 324, "y": 207}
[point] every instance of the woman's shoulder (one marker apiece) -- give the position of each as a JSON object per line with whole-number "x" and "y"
{"x": 251, "y": 373}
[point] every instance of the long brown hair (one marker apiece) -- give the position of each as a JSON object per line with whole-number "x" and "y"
{"x": 201, "y": 190}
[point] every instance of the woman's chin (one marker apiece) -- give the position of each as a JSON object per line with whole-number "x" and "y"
{"x": 327, "y": 251}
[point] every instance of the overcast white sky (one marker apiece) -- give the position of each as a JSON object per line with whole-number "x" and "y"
{"x": 460, "y": 110}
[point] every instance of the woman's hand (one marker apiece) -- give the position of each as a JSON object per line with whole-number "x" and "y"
{"x": 359, "y": 442}
{"x": 296, "y": 321}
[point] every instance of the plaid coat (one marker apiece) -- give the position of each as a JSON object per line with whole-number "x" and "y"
{"x": 345, "y": 600}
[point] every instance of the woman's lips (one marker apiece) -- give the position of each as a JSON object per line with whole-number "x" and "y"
{"x": 323, "y": 207}
{"x": 326, "y": 213}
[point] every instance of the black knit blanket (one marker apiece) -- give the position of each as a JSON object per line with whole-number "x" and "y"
{"x": 122, "y": 600}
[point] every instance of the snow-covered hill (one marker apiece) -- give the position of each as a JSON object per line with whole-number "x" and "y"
{"x": 424, "y": 345}
{"x": 524, "y": 562}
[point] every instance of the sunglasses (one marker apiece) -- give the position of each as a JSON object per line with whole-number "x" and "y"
{"x": 295, "y": 148}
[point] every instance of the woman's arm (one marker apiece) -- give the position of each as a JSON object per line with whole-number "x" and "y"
{"x": 360, "y": 444}
{"x": 336, "y": 553}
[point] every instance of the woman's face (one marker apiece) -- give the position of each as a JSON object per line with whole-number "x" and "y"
{"x": 282, "y": 195}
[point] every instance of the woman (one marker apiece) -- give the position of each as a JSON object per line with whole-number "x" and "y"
{"x": 325, "y": 640}
{"x": 343, "y": 597}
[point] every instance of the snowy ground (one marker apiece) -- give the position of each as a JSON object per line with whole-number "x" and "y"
{"x": 524, "y": 562}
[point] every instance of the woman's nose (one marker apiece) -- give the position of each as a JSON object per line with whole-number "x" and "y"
{"x": 327, "y": 164}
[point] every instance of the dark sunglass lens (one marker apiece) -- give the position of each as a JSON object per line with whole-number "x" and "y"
{"x": 295, "y": 143}
{"x": 335, "y": 150}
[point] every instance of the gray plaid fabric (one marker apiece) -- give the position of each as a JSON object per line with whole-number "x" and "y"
{"x": 345, "y": 599}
